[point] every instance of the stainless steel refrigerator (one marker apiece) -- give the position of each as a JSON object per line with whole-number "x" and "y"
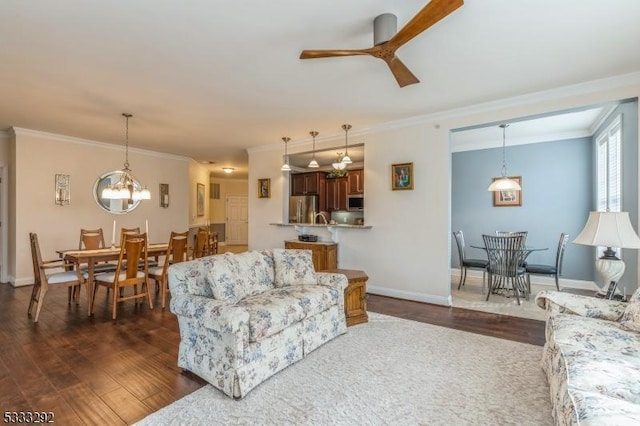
{"x": 303, "y": 208}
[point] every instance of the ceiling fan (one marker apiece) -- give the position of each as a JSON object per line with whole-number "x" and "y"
{"x": 387, "y": 41}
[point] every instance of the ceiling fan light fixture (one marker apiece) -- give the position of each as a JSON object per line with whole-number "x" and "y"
{"x": 313, "y": 164}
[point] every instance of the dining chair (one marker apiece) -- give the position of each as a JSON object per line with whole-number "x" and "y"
{"x": 42, "y": 282}
{"x": 201, "y": 243}
{"x": 466, "y": 263}
{"x": 553, "y": 270}
{"x": 128, "y": 231}
{"x": 133, "y": 252}
{"x": 505, "y": 255}
{"x": 93, "y": 239}
{"x": 177, "y": 251}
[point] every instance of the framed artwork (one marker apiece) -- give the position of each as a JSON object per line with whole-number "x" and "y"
{"x": 508, "y": 198}
{"x": 264, "y": 188}
{"x": 200, "y": 199}
{"x": 402, "y": 176}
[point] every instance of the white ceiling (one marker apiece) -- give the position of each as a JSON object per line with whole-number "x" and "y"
{"x": 210, "y": 78}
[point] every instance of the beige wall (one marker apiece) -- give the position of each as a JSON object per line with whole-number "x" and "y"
{"x": 228, "y": 187}
{"x": 406, "y": 253}
{"x": 198, "y": 173}
{"x": 39, "y": 156}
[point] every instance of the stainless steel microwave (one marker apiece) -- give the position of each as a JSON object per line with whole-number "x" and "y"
{"x": 355, "y": 202}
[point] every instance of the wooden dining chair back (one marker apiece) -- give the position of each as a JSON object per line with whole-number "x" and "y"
{"x": 43, "y": 281}
{"x": 201, "y": 243}
{"x": 505, "y": 254}
{"x": 177, "y": 251}
{"x": 128, "y": 231}
{"x": 466, "y": 263}
{"x": 550, "y": 270}
{"x": 91, "y": 239}
{"x": 132, "y": 270}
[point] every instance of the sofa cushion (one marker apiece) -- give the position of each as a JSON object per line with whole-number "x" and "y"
{"x": 631, "y": 317}
{"x": 255, "y": 271}
{"x": 274, "y": 310}
{"x": 593, "y": 334}
{"x": 293, "y": 267}
{"x": 224, "y": 277}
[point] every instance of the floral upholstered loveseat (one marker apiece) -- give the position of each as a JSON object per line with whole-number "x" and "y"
{"x": 244, "y": 317}
{"x": 592, "y": 358}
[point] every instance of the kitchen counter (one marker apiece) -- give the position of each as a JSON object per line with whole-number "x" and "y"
{"x": 323, "y": 225}
{"x": 333, "y": 229}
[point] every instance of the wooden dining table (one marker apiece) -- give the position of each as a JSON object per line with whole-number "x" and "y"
{"x": 92, "y": 257}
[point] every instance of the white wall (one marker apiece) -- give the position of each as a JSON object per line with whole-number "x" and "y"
{"x": 406, "y": 253}
{"x": 39, "y": 156}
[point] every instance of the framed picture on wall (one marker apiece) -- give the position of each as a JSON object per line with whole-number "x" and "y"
{"x": 402, "y": 176}
{"x": 200, "y": 199}
{"x": 508, "y": 198}
{"x": 264, "y": 188}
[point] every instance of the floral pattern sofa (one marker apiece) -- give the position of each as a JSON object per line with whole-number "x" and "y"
{"x": 244, "y": 317}
{"x": 592, "y": 358}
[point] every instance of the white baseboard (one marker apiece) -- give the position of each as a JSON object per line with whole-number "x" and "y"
{"x": 410, "y": 295}
{"x": 476, "y": 274}
{"x": 21, "y": 282}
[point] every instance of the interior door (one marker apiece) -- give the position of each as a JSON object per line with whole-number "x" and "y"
{"x": 237, "y": 220}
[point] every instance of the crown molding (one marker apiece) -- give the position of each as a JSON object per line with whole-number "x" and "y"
{"x": 18, "y": 131}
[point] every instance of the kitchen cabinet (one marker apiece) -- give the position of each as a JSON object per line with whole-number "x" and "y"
{"x": 356, "y": 181}
{"x": 337, "y": 190}
{"x": 307, "y": 183}
{"x": 325, "y": 255}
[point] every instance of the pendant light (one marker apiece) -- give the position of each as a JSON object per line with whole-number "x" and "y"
{"x": 127, "y": 187}
{"x": 346, "y": 159}
{"x": 313, "y": 164}
{"x": 504, "y": 183}
{"x": 339, "y": 164}
{"x": 285, "y": 167}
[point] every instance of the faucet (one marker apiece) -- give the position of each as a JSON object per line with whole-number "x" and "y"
{"x": 324, "y": 218}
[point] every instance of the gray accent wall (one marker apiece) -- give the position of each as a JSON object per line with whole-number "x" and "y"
{"x": 557, "y": 195}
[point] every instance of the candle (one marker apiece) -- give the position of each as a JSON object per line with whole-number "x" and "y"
{"x": 113, "y": 234}
{"x": 146, "y": 227}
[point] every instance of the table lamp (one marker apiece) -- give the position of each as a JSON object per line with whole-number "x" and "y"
{"x": 609, "y": 229}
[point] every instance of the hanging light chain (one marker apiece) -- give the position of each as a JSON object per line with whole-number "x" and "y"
{"x": 126, "y": 140}
{"x": 504, "y": 151}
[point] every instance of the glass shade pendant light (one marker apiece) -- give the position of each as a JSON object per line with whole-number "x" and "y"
{"x": 339, "y": 164}
{"x": 504, "y": 183}
{"x": 285, "y": 167}
{"x": 313, "y": 164}
{"x": 127, "y": 188}
{"x": 346, "y": 159}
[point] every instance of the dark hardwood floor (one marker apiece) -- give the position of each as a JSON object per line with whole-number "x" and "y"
{"x": 92, "y": 370}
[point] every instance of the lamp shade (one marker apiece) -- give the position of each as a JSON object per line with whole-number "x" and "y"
{"x": 504, "y": 184}
{"x": 609, "y": 229}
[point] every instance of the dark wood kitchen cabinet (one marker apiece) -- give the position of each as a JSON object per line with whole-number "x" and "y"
{"x": 356, "y": 181}
{"x": 308, "y": 183}
{"x": 337, "y": 190}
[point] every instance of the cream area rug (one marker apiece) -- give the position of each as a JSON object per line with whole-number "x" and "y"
{"x": 389, "y": 371}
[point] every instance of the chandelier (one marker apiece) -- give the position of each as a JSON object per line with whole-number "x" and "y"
{"x": 127, "y": 188}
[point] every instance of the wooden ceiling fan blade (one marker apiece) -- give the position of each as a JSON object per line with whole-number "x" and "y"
{"x": 311, "y": 54}
{"x": 403, "y": 76}
{"x": 428, "y": 16}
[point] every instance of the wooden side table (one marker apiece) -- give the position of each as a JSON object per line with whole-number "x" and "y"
{"x": 355, "y": 296}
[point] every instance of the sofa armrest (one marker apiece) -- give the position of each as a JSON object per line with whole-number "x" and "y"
{"x": 219, "y": 315}
{"x": 576, "y": 304}
{"x": 330, "y": 279}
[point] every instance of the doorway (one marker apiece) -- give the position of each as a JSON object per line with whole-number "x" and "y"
{"x": 4, "y": 222}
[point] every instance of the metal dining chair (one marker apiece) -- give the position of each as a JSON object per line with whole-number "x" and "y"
{"x": 466, "y": 263}
{"x": 505, "y": 271}
{"x": 553, "y": 270}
